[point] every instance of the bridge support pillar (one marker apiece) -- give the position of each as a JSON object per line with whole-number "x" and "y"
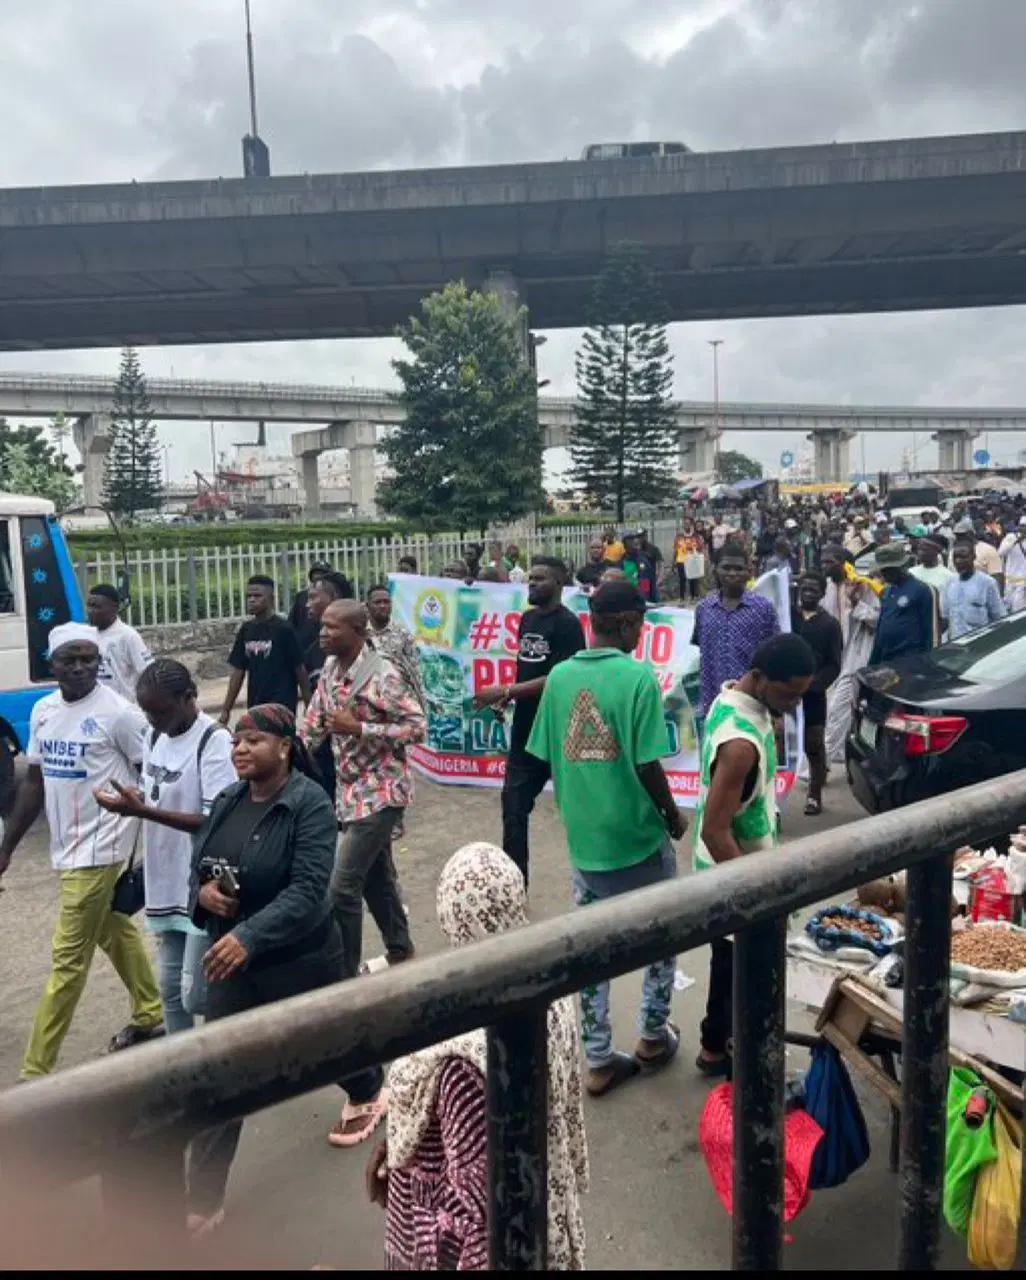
{"x": 503, "y": 284}
{"x": 311, "y": 485}
{"x": 955, "y": 448}
{"x": 832, "y": 451}
{"x": 698, "y": 450}
{"x": 362, "y": 482}
{"x": 91, "y": 434}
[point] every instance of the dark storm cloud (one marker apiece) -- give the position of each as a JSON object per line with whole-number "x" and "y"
{"x": 105, "y": 90}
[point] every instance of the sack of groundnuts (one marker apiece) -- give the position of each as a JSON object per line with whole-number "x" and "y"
{"x": 992, "y": 953}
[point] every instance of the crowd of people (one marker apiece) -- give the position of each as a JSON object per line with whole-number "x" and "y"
{"x": 264, "y": 843}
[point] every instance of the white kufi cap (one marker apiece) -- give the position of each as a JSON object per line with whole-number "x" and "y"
{"x": 72, "y": 633}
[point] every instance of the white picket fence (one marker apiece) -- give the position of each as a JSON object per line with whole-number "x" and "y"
{"x": 171, "y": 586}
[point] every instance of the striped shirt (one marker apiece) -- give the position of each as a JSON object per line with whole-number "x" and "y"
{"x": 438, "y": 1202}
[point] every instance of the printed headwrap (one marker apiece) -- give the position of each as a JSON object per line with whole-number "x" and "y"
{"x": 269, "y": 717}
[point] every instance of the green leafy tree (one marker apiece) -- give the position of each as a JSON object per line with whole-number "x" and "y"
{"x": 31, "y": 466}
{"x": 132, "y": 477}
{"x": 732, "y": 466}
{"x": 469, "y": 453}
{"x": 624, "y": 443}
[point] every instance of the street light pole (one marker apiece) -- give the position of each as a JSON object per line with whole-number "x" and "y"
{"x": 716, "y": 343}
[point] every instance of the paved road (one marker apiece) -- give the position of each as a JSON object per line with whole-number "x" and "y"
{"x": 295, "y": 1201}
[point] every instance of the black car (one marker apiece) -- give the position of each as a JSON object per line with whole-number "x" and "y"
{"x": 932, "y": 722}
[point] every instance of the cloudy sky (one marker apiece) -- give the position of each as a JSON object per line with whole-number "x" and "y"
{"x": 109, "y": 90}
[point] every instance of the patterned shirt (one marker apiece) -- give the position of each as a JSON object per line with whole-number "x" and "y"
{"x": 372, "y": 770}
{"x": 399, "y": 647}
{"x": 728, "y": 638}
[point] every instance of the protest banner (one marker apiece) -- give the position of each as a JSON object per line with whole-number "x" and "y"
{"x": 467, "y": 636}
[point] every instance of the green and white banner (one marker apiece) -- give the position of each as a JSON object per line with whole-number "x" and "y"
{"x": 468, "y": 641}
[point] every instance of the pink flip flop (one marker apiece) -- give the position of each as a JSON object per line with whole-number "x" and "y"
{"x": 373, "y": 1112}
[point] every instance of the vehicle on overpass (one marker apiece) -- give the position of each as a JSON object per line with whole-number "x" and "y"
{"x": 632, "y": 150}
{"x": 38, "y": 591}
{"x": 929, "y": 723}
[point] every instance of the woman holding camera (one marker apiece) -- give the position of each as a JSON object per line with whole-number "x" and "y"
{"x": 260, "y": 870}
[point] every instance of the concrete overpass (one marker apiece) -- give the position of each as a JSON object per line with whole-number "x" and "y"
{"x": 867, "y": 226}
{"x": 349, "y": 417}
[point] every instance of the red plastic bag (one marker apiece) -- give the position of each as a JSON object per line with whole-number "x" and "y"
{"x": 716, "y": 1134}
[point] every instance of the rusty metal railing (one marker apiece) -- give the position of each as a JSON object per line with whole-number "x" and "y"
{"x": 147, "y": 1103}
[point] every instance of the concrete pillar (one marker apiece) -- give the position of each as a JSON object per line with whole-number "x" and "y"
{"x": 362, "y": 478}
{"x": 697, "y": 450}
{"x": 502, "y": 283}
{"x": 91, "y": 434}
{"x": 311, "y": 486}
{"x": 832, "y": 451}
{"x": 955, "y": 448}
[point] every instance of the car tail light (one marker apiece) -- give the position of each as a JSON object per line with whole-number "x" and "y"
{"x": 927, "y": 735}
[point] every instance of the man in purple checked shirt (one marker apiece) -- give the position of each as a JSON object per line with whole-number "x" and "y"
{"x": 730, "y": 625}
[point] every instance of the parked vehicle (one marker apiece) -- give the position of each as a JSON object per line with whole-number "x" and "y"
{"x": 38, "y": 591}
{"x": 932, "y": 722}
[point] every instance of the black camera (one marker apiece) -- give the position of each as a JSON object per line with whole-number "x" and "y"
{"x": 223, "y": 872}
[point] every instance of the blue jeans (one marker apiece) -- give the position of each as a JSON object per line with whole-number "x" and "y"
{"x": 657, "y": 984}
{"x": 183, "y": 988}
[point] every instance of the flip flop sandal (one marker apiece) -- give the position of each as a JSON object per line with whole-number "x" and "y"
{"x": 666, "y": 1053}
{"x": 813, "y": 808}
{"x": 199, "y": 1225}
{"x": 713, "y": 1067}
{"x": 373, "y": 1112}
{"x": 623, "y": 1066}
{"x": 132, "y": 1035}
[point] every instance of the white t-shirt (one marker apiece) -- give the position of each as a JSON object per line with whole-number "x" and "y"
{"x": 176, "y": 777}
{"x": 123, "y": 658}
{"x": 81, "y": 745}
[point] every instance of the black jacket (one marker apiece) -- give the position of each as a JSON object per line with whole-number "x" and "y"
{"x": 283, "y": 873}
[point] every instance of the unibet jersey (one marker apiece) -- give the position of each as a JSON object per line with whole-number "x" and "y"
{"x": 123, "y": 658}
{"x": 736, "y": 715}
{"x": 79, "y": 746}
{"x": 600, "y": 717}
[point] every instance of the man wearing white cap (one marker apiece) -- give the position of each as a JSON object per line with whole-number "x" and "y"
{"x": 83, "y": 738}
{"x": 1013, "y": 553}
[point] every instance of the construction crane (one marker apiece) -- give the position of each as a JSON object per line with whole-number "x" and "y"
{"x": 210, "y": 503}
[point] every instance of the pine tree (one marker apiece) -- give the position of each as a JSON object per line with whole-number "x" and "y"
{"x": 469, "y": 453}
{"x": 132, "y": 479}
{"x": 623, "y": 443}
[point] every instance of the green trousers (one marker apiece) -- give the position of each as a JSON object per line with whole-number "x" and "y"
{"x": 85, "y": 921}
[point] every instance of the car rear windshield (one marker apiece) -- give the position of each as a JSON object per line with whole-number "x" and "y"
{"x": 988, "y": 656}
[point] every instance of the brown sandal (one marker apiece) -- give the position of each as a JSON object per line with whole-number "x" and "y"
{"x": 602, "y": 1080}
{"x": 666, "y": 1052}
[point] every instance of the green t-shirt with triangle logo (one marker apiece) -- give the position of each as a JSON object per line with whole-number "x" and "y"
{"x": 599, "y": 718}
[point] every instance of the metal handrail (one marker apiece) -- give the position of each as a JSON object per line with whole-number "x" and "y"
{"x": 87, "y": 1118}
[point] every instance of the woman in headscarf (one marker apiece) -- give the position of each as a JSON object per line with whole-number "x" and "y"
{"x": 432, "y": 1175}
{"x": 261, "y": 863}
